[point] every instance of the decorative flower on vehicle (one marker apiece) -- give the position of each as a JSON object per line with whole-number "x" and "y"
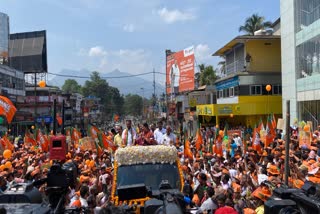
{"x": 146, "y": 154}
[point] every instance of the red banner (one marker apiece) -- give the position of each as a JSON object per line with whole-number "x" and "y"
{"x": 180, "y": 71}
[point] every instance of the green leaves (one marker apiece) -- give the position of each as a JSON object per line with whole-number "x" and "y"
{"x": 254, "y": 23}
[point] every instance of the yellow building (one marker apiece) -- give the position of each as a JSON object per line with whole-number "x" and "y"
{"x": 252, "y": 63}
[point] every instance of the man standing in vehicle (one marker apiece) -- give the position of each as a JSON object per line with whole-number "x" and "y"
{"x": 129, "y": 135}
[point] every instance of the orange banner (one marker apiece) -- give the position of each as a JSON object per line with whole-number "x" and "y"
{"x": 180, "y": 71}
{"x": 7, "y": 108}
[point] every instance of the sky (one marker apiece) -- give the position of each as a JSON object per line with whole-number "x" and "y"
{"x": 132, "y": 35}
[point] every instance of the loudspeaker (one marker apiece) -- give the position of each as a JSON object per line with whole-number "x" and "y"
{"x": 129, "y": 192}
{"x": 274, "y": 206}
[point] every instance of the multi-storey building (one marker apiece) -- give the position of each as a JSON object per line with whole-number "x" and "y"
{"x": 300, "y": 44}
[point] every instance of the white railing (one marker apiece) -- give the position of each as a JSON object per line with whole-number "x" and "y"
{"x": 234, "y": 67}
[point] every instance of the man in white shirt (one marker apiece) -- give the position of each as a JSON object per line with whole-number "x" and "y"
{"x": 159, "y": 132}
{"x": 174, "y": 76}
{"x": 168, "y": 138}
{"x": 129, "y": 135}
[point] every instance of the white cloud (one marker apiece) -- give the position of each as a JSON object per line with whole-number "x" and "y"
{"x": 202, "y": 53}
{"x": 171, "y": 16}
{"x": 97, "y": 51}
{"x": 129, "y": 28}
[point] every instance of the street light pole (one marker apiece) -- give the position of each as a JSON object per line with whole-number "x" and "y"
{"x": 142, "y": 102}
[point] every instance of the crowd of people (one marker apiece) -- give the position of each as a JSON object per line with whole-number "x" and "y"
{"x": 237, "y": 180}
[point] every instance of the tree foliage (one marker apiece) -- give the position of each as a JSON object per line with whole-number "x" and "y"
{"x": 133, "y": 105}
{"x": 207, "y": 75}
{"x": 110, "y": 96}
{"x": 71, "y": 86}
{"x": 254, "y": 23}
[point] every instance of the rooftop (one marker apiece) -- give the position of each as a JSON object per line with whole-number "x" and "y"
{"x": 243, "y": 39}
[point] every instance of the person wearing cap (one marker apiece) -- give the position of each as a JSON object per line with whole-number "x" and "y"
{"x": 261, "y": 195}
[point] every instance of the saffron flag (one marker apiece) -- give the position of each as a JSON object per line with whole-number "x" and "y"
{"x": 6, "y": 144}
{"x": 29, "y": 139}
{"x": 187, "y": 150}
{"x": 107, "y": 142}
{"x": 260, "y": 126}
{"x": 7, "y": 108}
{"x": 59, "y": 119}
{"x": 43, "y": 141}
{"x": 199, "y": 140}
{"x": 75, "y": 136}
{"x": 274, "y": 122}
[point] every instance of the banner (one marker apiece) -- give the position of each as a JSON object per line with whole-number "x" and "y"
{"x": 7, "y": 108}
{"x": 180, "y": 71}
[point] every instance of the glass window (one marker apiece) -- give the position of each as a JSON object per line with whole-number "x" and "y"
{"x": 255, "y": 90}
{"x": 236, "y": 91}
{"x": 308, "y": 58}
{"x": 226, "y": 92}
{"x": 231, "y": 91}
{"x": 277, "y": 89}
{"x": 306, "y": 13}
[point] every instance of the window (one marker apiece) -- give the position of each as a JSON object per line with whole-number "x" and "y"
{"x": 277, "y": 89}
{"x": 231, "y": 92}
{"x": 226, "y": 92}
{"x": 220, "y": 94}
{"x": 236, "y": 91}
{"x": 255, "y": 90}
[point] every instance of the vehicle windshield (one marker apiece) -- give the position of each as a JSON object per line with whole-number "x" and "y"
{"x": 149, "y": 174}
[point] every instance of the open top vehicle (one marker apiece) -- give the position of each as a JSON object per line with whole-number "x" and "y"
{"x": 143, "y": 173}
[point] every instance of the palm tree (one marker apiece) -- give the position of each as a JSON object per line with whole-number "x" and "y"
{"x": 207, "y": 75}
{"x": 254, "y": 23}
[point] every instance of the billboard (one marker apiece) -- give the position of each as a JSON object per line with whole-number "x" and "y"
{"x": 28, "y": 52}
{"x": 180, "y": 71}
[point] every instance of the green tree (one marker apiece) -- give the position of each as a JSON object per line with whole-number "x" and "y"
{"x": 254, "y": 23}
{"x": 110, "y": 96}
{"x": 207, "y": 75}
{"x": 133, "y": 105}
{"x": 71, "y": 86}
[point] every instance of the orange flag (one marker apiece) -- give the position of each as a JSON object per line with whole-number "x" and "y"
{"x": 107, "y": 142}
{"x": 6, "y": 143}
{"x": 43, "y": 141}
{"x": 187, "y": 150}
{"x": 75, "y": 136}
{"x": 199, "y": 140}
{"x": 28, "y": 139}
{"x": 7, "y": 108}
{"x": 59, "y": 119}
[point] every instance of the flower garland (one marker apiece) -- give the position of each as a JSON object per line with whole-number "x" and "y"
{"x": 145, "y": 154}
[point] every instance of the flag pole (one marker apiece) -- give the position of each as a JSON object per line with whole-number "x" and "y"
{"x": 287, "y": 143}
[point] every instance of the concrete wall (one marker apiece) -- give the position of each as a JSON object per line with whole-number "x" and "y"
{"x": 288, "y": 58}
{"x": 266, "y": 55}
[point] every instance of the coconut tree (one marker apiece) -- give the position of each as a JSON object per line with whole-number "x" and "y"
{"x": 254, "y": 23}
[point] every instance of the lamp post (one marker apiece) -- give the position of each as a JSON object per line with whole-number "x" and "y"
{"x": 142, "y": 102}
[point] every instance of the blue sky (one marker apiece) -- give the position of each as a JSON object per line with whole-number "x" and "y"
{"x": 132, "y": 35}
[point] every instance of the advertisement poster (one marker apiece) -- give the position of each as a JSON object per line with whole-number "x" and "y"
{"x": 180, "y": 71}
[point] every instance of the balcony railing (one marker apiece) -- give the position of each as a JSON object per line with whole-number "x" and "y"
{"x": 234, "y": 67}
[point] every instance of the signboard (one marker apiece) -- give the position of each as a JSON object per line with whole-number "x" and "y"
{"x": 205, "y": 110}
{"x": 280, "y": 124}
{"x": 225, "y": 109}
{"x": 180, "y": 71}
{"x": 227, "y": 83}
{"x": 46, "y": 119}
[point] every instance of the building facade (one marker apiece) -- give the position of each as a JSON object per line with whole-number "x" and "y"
{"x": 300, "y": 39}
{"x": 4, "y": 38}
{"x": 251, "y": 63}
